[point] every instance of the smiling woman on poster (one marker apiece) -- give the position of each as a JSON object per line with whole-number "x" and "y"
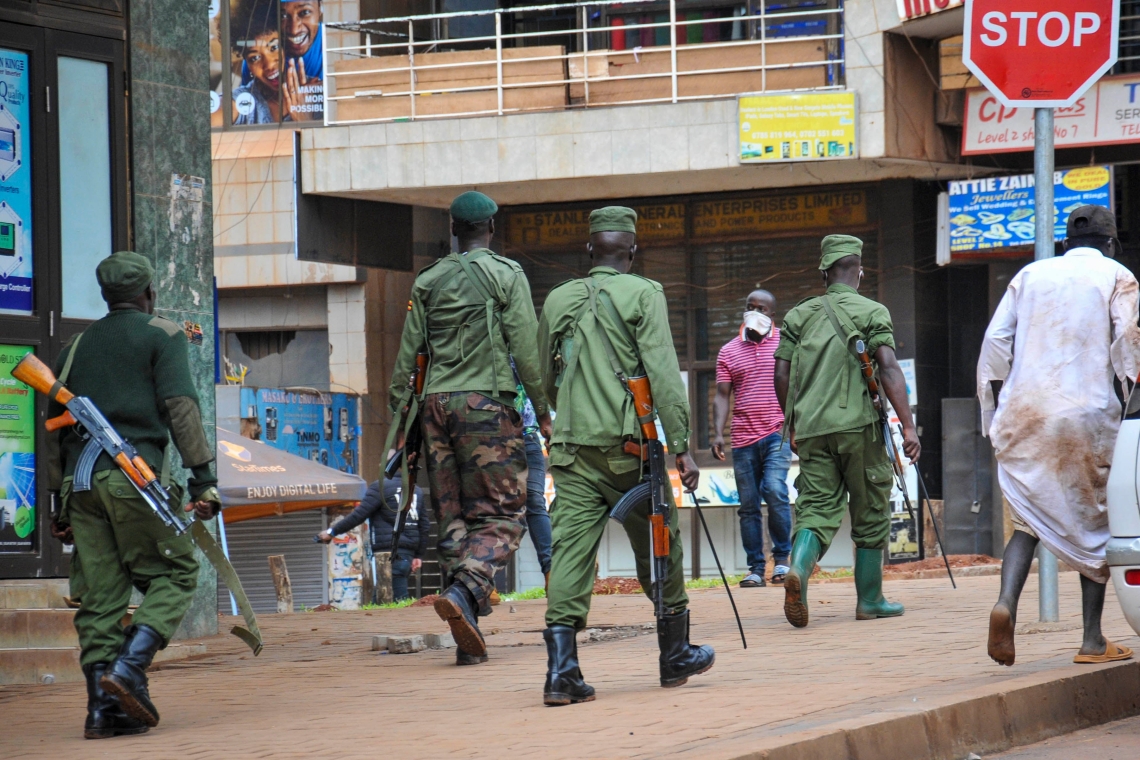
{"x": 277, "y": 88}
{"x": 302, "y": 38}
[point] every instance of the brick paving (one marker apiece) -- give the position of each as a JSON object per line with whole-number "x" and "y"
{"x": 318, "y": 691}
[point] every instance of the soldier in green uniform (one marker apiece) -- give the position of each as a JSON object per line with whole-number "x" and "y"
{"x": 472, "y": 311}
{"x": 595, "y": 431}
{"x": 833, "y": 427}
{"x": 134, "y": 366}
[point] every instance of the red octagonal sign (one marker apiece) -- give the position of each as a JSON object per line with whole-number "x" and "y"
{"x": 1040, "y": 53}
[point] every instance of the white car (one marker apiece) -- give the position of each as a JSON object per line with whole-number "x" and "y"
{"x": 1123, "y": 552}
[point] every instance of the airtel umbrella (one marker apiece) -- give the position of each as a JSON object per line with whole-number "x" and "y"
{"x": 258, "y": 480}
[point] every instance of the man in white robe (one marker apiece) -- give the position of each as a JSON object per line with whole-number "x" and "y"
{"x": 1065, "y": 327}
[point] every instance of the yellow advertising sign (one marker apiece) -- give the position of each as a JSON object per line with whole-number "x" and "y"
{"x": 571, "y": 227}
{"x": 775, "y": 213}
{"x": 800, "y": 127}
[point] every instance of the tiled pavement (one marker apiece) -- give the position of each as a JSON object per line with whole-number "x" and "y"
{"x": 317, "y": 690}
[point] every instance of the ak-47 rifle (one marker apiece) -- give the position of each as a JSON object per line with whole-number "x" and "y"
{"x": 406, "y": 461}
{"x": 655, "y": 492}
{"x": 893, "y": 452}
{"x": 101, "y": 438}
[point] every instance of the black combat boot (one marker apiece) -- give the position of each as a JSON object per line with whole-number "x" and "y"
{"x": 105, "y": 718}
{"x": 679, "y": 658}
{"x": 564, "y": 684}
{"x": 126, "y": 676}
{"x": 457, "y": 605}
{"x": 466, "y": 658}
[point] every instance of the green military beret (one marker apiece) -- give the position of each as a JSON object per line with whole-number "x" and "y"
{"x": 123, "y": 275}
{"x": 473, "y": 207}
{"x": 613, "y": 219}
{"x": 836, "y": 247}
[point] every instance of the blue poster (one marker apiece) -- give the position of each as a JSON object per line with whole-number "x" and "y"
{"x": 15, "y": 185}
{"x": 322, "y": 427}
{"x": 998, "y": 212}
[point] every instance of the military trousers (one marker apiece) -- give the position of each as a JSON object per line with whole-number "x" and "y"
{"x": 847, "y": 470}
{"x": 476, "y": 463}
{"x": 588, "y": 482}
{"x": 121, "y": 543}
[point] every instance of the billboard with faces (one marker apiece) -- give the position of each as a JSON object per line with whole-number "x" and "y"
{"x": 274, "y": 73}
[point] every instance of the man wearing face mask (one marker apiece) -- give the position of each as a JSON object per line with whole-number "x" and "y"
{"x": 745, "y": 368}
{"x": 833, "y": 427}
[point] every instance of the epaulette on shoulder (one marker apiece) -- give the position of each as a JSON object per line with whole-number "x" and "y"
{"x": 509, "y": 262}
{"x": 656, "y": 285}
{"x": 164, "y": 324}
{"x": 565, "y": 282}
{"x": 429, "y": 266}
{"x": 809, "y": 298}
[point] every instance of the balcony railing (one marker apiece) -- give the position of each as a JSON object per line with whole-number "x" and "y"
{"x": 621, "y": 52}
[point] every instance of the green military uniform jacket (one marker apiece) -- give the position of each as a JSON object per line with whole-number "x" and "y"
{"x": 135, "y": 367}
{"x": 594, "y": 408}
{"x": 471, "y": 329}
{"x": 826, "y": 390}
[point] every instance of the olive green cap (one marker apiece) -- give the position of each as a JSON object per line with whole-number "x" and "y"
{"x": 473, "y": 207}
{"x": 613, "y": 219}
{"x": 836, "y": 247}
{"x": 123, "y": 275}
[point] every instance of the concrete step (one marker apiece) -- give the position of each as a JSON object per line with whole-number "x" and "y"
{"x": 33, "y": 594}
{"x": 37, "y": 629}
{"x": 61, "y": 665}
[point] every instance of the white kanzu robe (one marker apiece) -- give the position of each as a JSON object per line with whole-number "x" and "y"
{"x": 1064, "y": 327}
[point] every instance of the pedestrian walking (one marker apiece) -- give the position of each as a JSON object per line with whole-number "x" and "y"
{"x": 589, "y": 326}
{"x": 472, "y": 312}
{"x": 834, "y": 428}
{"x": 537, "y": 515}
{"x": 134, "y": 367}
{"x": 1052, "y": 413}
{"x": 380, "y": 507}
{"x": 745, "y": 369}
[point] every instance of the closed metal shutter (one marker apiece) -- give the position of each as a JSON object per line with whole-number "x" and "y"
{"x": 251, "y": 542}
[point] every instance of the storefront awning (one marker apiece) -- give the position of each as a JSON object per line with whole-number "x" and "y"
{"x": 258, "y": 480}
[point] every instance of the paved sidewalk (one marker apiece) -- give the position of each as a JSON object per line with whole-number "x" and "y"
{"x": 317, "y": 690}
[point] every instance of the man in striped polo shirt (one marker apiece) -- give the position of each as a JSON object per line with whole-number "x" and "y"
{"x": 745, "y": 368}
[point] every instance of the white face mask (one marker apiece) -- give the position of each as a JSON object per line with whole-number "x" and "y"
{"x": 756, "y": 322}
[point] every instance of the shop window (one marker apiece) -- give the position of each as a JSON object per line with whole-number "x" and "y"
{"x": 84, "y": 182}
{"x": 277, "y": 359}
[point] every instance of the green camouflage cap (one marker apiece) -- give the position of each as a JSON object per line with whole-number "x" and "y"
{"x": 836, "y": 247}
{"x": 473, "y": 207}
{"x": 123, "y": 275}
{"x": 613, "y": 219}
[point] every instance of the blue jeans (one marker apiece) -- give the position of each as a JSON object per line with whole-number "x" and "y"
{"x": 537, "y": 518}
{"x": 401, "y": 569}
{"x": 762, "y": 474}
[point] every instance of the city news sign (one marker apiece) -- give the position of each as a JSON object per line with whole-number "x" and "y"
{"x": 909, "y": 9}
{"x": 1040, "y": 53}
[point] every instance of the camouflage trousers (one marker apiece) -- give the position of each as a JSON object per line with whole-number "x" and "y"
{"x": 476, "y": 464}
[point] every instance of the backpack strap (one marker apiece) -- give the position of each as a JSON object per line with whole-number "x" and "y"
{"x": 70, "y": 358}
{"x": 490, "y": 302}
{"x": 845, "y": 337}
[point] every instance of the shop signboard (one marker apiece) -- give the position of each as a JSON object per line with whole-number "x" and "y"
{"x": 817, "y": 126}
{"x": 1108, "y": 114}
{"x": 909, "y": 9}
{"x": 17, "y": 456}
{"x": 777, "y": 213}
{"x": 656, "y": 222}
{"x": 322, "y": 427}
{"x": 15, "y": 185}
{"x": 993, "y": 214}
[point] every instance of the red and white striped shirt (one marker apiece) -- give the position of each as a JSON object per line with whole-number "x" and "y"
{"x": 751, "y": 369}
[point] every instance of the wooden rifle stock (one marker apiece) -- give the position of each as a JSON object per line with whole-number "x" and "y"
{"x": 647, "y": 418}
{"x": 35, "y": 373}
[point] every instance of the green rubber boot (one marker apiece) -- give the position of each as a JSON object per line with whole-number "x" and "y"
{"x": 869, "y": 587}
{"x": 805, "y": 552}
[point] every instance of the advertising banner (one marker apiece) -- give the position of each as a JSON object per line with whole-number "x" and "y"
{"x": 997, "y": 212}
{"x": 321, "y": 427}
{"x": 799, "y": 127}
{"x": 1108, "y": 114}
{"x": 15, "y": 185}
{"x": 276, "y": 61}
{"x": 17, "y": 455}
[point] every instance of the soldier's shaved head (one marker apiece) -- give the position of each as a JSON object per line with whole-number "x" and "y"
{"x": 613, "y": 249}
{"x": 847, "y": 271}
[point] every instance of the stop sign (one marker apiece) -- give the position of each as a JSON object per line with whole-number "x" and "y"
{"x": 1040, "y": 53}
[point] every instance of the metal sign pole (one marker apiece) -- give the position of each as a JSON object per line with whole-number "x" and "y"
{"x": 1043, "y": 249}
